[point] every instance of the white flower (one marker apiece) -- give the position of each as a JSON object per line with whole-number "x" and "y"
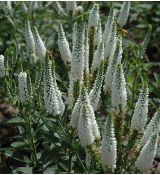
{"x": 88, "y": 129}
{"x": 85, "y": 133}
{"x": 98, "y": 33}
{"x": 77, "y": 63}
{"x": 140, "y": 112}
{"x": 22, "y": 87}
{"x": 52, "y": 95}
{"x": 114, "y": 58}
{"x": 94, "y": 95}
{"x": 110, "y": 44}
{"x": 2, "y": 67}
{"x": 109, "y": 146}
{"x": 108, "y": 26}
{"x": 124, "y": 12}
{"x": 71, "y": 6}
{"x": 39, "y": 45}
{"x": 153, "y": 126}
{"x": 98, "y": 57}
{"x": 76, "y": 113}
{"x": 29, "y": 38}
{"x": 147, "y": 154}
{"x": 94, "y": 16}
{"x": 63, "y": 45}
{"x": 118, "y": 93}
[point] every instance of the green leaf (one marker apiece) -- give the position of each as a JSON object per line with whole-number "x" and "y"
{"x": 18, "y": 144}
{"x": 24, "y": 170}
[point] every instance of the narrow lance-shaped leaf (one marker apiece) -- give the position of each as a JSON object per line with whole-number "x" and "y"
{"x": 145, "y": 42}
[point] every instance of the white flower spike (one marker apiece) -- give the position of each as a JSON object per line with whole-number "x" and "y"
{"x": 98, "y": 57}
{"x": 153, "y": 126}
{"x": 22, "y": 87}
{"x": 109, "y": 146}
{"x": 140, "y": 112}
{"x": 108, "y": 25}
{"x": 110, "y": 44}
{"x": 39, "y": 46}
{"x": 118, "y": 93}
{"x": 88, "y": 129}
{"x": 52, "y": 95}
{"x": 114, "y": 58}
{"x": 29, "y": 38}
{"x": 63, "y": 45}
{"x": 94, "y": 16}
{"x": 124, "y": 12}
{"x": 95, "y": 93}
{"x": 147, "y": 154}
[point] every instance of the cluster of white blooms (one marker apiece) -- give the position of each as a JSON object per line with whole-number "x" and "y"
{"x": 98, "y": 57}
{"x": 76, "y": 112}
{"x": 2, "y": 66}
{"x": 118, "y": 93}
{"x": 94, "y": 95}
{"x": 52, "y": 95}
{"x": 63, "y": 45}
{"x": 153, "y": 127}
{"x": 114, "y": 58}
{"x": 98, "y": 33}
{"x": 108, "y": 25}
{"x": 124, "y": 12}
{"x": 77, "y": 58}
{"x": 23, "y": 87}
{"x": 30, "y": 43}
{"x": 71, "y": 6}
{"x": 88, "y": 129}
{"x": 109, "y": 145}
{"x": 77, "y": 62}
{"x": 94, "y": 16}
{"x": 110, "y": 44}
{"x": 147, "y": 154}
{"x": 29, "y": 38}
{"x": 39, "y": 46}
{"x": 140, "y": 112}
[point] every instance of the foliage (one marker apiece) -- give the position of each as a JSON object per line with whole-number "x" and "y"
{"x": 78, "y": 108}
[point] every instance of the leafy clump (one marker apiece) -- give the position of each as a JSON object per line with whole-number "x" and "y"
{"x": 77, "y": 111}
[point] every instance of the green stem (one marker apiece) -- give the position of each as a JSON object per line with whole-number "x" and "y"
{"x": 32, "y": 145}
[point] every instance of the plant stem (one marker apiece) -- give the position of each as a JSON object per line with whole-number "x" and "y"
{"x": 33, "y": 147}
